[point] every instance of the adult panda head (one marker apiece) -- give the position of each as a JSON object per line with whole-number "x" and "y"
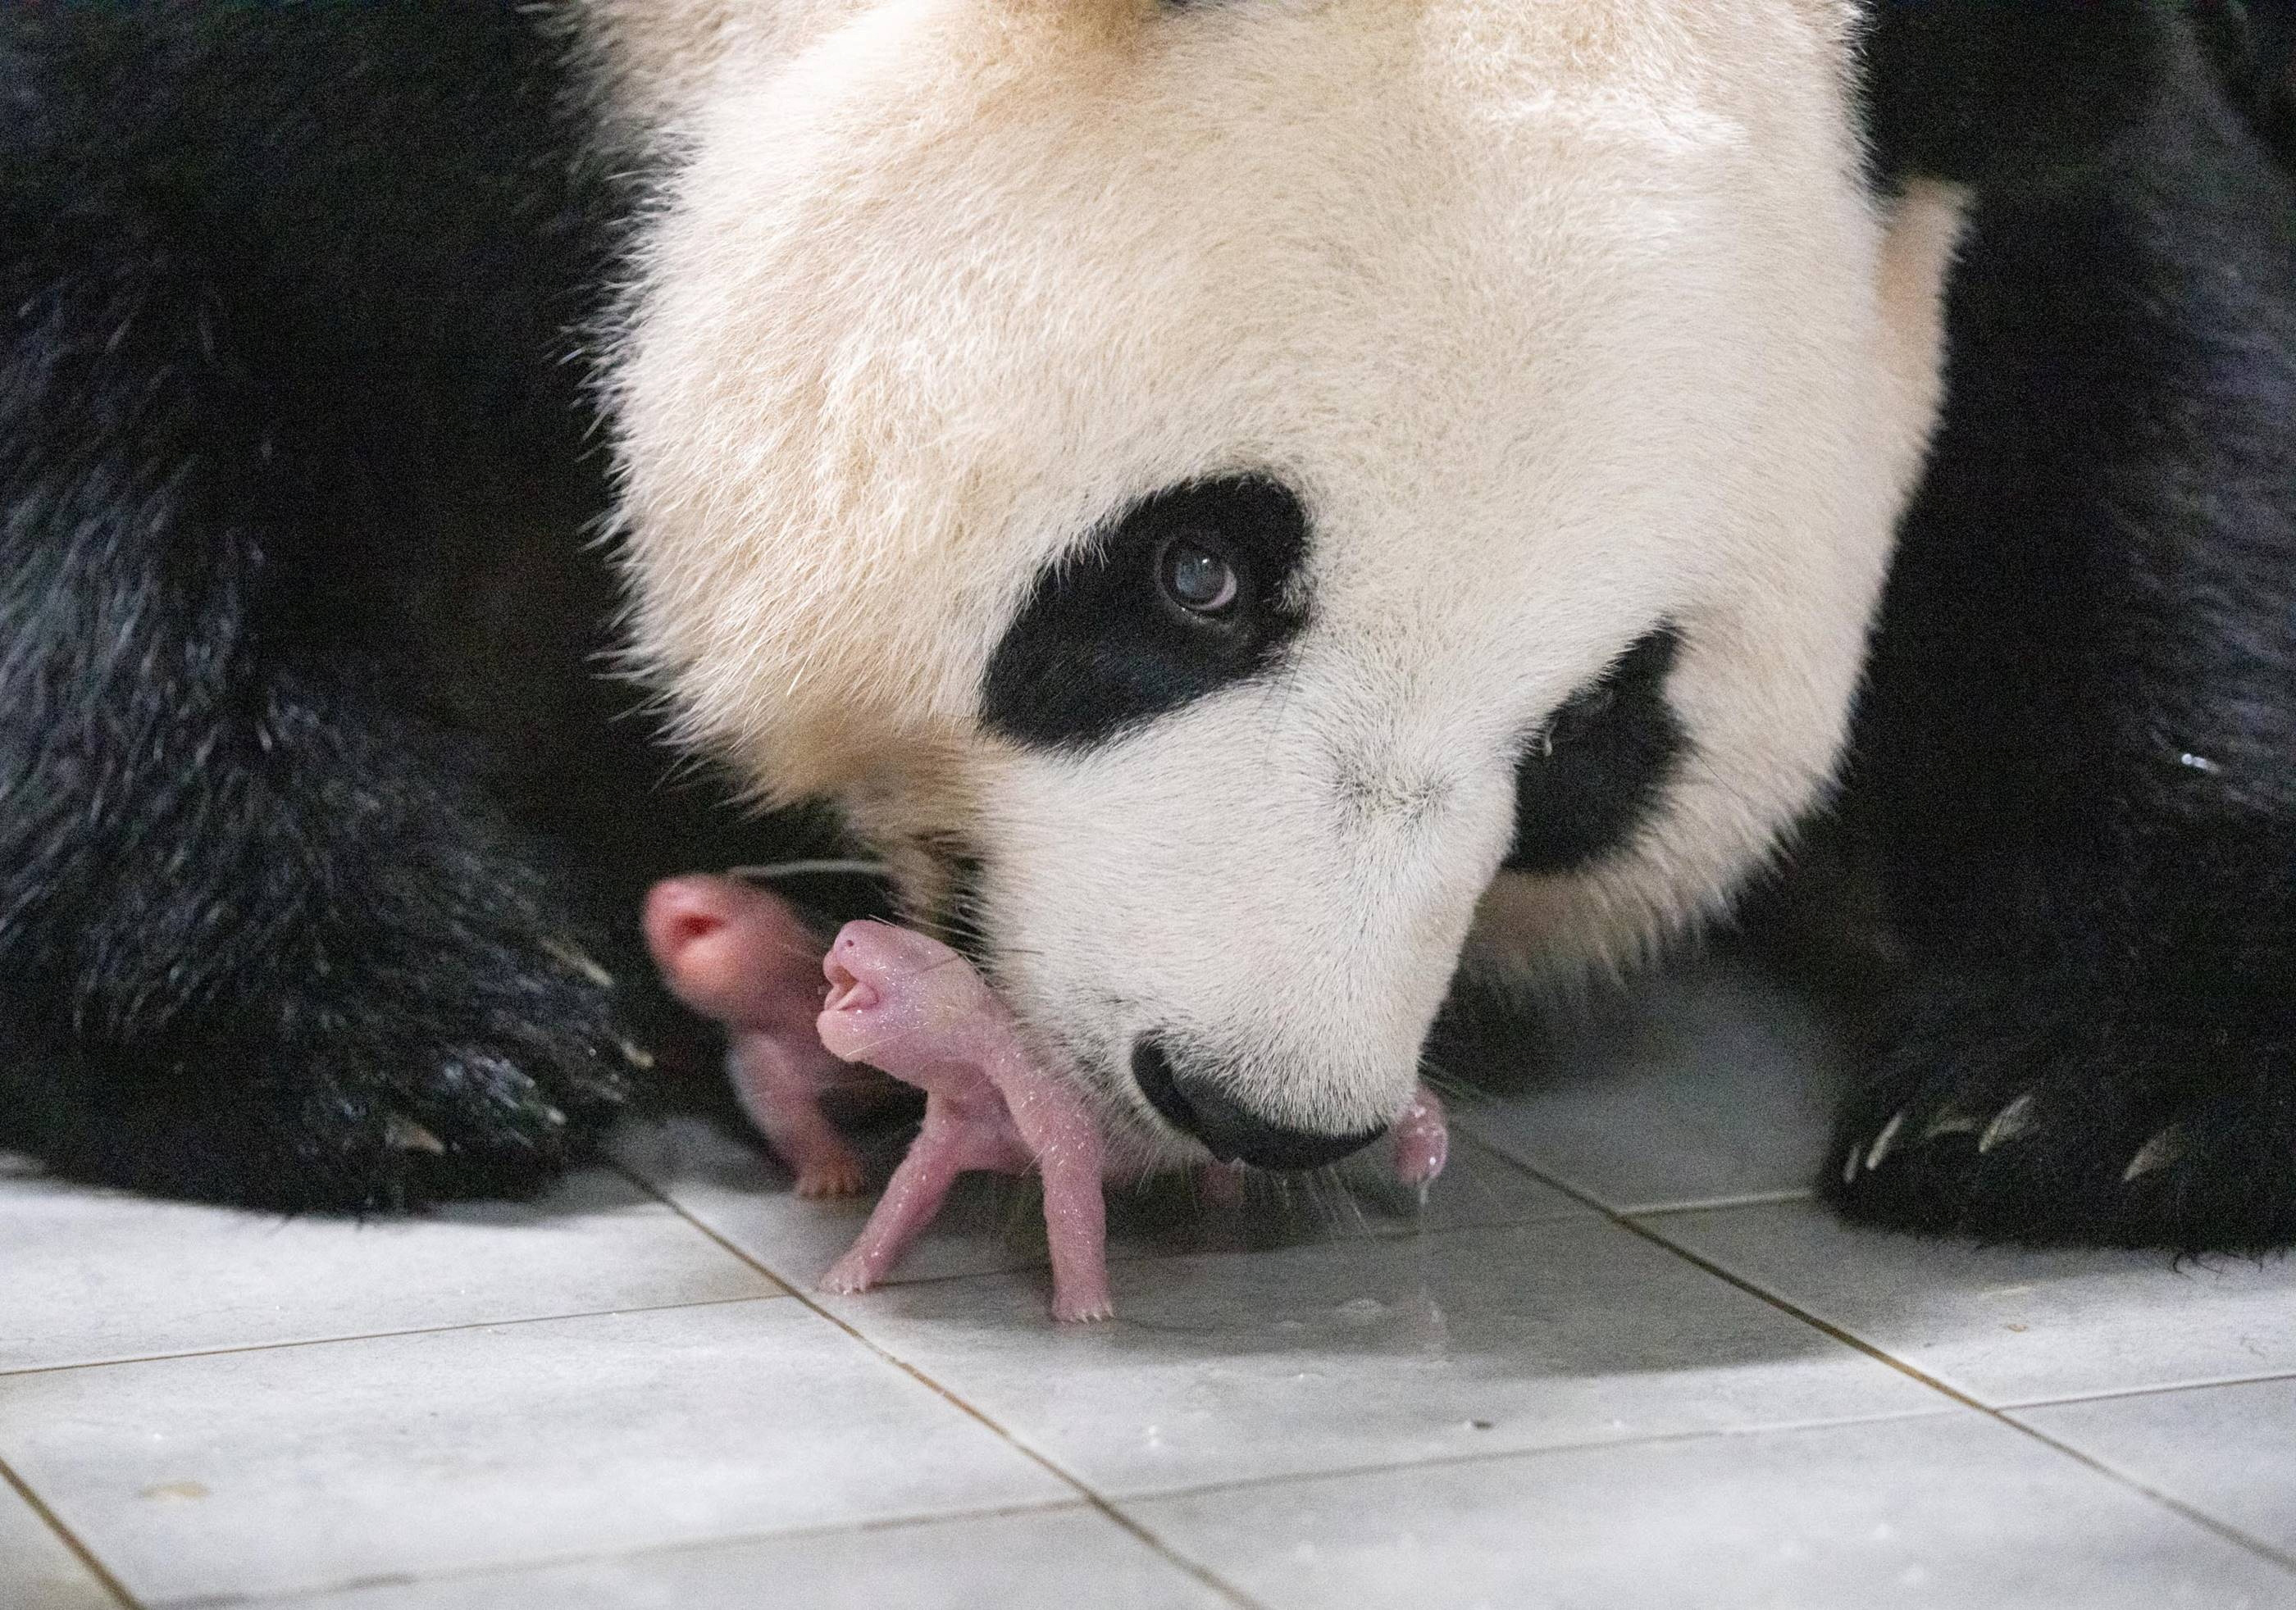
{"x": 1208, "y": 485}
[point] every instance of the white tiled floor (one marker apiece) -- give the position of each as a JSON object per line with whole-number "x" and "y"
{"x": 1539, "y": 1390}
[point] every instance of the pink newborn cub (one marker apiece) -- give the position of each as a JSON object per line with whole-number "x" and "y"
{"x": 739, "y": 955}
{"x": 913, "y": 1007}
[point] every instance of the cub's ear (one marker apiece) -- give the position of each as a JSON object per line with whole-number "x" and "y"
{"x": 1977, "y": 91}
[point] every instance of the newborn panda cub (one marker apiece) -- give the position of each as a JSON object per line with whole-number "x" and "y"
{"x": 906, "y": 1004}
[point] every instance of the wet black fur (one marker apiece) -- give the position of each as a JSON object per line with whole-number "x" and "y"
{"x": 2076, "y": 761}
{"x": 308, "y": 808}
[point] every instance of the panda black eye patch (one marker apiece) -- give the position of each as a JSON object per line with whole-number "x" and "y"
{"x": 1189, "y": 590}
{"x": 1594, "y": 774}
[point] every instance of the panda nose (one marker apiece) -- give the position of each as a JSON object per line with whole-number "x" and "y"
{"x": 1230, "y": 1131}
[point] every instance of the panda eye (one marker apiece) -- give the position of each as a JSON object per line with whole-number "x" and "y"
{"x": 1197, "y": 577}
{"x": 1190, "y": 590}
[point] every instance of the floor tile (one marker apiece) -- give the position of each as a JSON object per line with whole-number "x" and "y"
{"x": 993, "y": 1224}
{"x": 1705, "y": 1084}
{"x": 1044, "y": 1560}
{"x": 1320, "y": 1357}
{"x": 303, "y": 1468}
{"x": 37, "y": 1570}
{"x": 1932, "y": 1512}
{"x": 743, "y": 1193}
{"x": 2228, "y": 1452}
{"x": 2007, "y": 1325}
{"x": 93, "y": 1275}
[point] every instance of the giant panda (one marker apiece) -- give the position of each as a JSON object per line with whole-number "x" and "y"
{"x": 1265, "y": 515}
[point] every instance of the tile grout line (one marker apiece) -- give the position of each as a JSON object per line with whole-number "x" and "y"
{"x": 1364, "y": 1233}
{"x": 1624, "y": 1219}
{"x": 1499, "y": 1456}
{"x": 1708, "y": 1205}
{"x": 1504, "y": 1148}
{"x": 1106, "y": 1508}
{"x": 1134, "y": 1259}
{"x": 2208, "y": 1522}
{"x": 1086, "y": 1497}
{"x": 28, "y": 1371}
{"x": 2199, "y": 1517}
{"x": 1632, "y": 1224}
{"x": 645, "y": 1551}
{"x": 65, "y": 1535}
{"x": 2205, "y": 1384}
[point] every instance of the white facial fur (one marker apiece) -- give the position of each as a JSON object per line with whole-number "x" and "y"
{"x": 1562, "y": 321}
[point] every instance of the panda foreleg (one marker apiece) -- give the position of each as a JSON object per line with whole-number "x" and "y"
{"x": 313, "y": 971}
{"x": 2078, "y": 748}
{"x": 262, "y": 938}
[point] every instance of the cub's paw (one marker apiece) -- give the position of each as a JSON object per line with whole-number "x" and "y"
{"x": 839, "y": 1175}
{"x": 1083, "y": 1308}
{"x": 2114, "y": 1127}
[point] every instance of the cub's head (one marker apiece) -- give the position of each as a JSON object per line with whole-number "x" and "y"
{"x": 1225, "y": 492}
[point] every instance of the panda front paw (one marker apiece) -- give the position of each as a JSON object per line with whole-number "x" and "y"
{"x": 494, "y": 1095}
{"x": 477, "y": 1064}
{"x": 2120, "y": 1126}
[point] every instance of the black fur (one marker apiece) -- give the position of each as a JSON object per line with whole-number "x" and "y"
{"x": 1098, "y": 649}
{"x": 293, "y": 468}
{"x": 2077, "y": 759}
{"x": 2251, "y": 43}
{"x": 1598, "y": 770}
{"x": 310, "y": 813}
{"x": 1987, "y": 92}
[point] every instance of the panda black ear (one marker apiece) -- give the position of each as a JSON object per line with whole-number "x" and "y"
{"x": 1978, "y": 91}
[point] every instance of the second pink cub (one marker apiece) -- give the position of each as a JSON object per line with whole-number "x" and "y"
{"x": 908, "y": 1005}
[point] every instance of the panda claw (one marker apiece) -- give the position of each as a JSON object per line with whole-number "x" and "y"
{"x": 1849, "y": 1163}
{"x": 405, "y": 1135}
{"x": 1882, "y": 1142}
{"x": 2012, "y": 1123}
{"x": 2161, "y": 1151}
{"x": 578, "y": 961}
{"x": 1951, "y": 1122}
